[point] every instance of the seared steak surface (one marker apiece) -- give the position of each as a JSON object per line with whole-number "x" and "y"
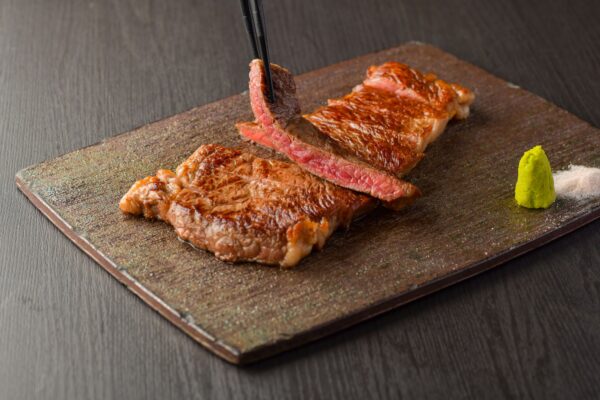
{"x": 365, "y": 140}
{"x": 391, "y": 118}
{"x": 281, "y": 127}
{"x": 245, "y": 208}
{"x": 364, "y": 123}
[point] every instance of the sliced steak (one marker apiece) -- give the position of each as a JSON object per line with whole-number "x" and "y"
{"x": 449, "y": 98}
{"x": 376, "y": 126}
{"x": 281, "y": 127}
{"x": 245, "y": 208}
{"x": 366, "y": 140}
{"x": 391, "y": 117}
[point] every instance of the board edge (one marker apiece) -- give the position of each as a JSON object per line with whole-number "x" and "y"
{"x": 235, "y": 356}
{"x": 334, "y": 326}
{"x": 218, "y": 347}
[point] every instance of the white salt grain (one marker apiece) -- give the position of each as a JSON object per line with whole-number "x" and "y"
{"x": 577, "y": 182}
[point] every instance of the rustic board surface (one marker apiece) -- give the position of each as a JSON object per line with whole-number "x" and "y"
{"x": 465, "y": 223}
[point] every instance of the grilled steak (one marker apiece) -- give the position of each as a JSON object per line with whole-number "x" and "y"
{"x": 281, "y": 127}
{"x": 404, "y": 81}
{"x": 391, "y": 118}
{"x": 245, "y": 208}
{"x": 365, "y": 140}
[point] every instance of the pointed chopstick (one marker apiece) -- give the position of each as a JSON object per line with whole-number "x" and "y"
{"x": 249, "y": 28}
{"x": 255, "y": 26}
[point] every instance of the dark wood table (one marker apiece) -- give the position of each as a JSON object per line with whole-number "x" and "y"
{"x": 75, "y": 72}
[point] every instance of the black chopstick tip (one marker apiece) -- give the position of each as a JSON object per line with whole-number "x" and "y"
{"x": 255, "y": 26}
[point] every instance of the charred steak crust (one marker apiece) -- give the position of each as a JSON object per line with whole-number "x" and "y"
{"x": 245, "y": 208}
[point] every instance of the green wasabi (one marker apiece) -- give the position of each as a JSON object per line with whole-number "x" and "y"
{"x": 535, "y": 185}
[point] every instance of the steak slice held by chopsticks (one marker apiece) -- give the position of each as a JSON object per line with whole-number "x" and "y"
{"x": 245, "y": 208}
{"x": 281, "y": 127}
{"x": 365, "y": 140}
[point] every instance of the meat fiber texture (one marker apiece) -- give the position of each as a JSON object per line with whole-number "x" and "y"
{"x": 245, "y": 208}
{"x": 366, "y": 140}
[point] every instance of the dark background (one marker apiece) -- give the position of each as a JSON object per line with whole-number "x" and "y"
{"x": 74, "y": 72}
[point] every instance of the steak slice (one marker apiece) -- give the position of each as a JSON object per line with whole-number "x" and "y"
{"x": 377, "y": 126}
{"x": 245, "y": 208}
{"x": 281, "y": 127}
{"x": 404, "y": 81}
{"x": 390, "y": 119}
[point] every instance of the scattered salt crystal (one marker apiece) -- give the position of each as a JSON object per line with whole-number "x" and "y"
{"x": 577, "y": 182}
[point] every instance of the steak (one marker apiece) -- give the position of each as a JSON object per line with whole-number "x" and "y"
{"x": 396, "y": 107}
{"x": 451, "y": 98}
{"x": 281, "y": 127}
{"x": 366, "y": 140}
{"x": 245, "y": 208}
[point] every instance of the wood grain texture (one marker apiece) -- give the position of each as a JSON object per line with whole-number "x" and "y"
{"x": 72, "y": 73}
{"x": 465, "y": 223}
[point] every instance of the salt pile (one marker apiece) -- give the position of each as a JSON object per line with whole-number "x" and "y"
{"x": 577, "y": 182}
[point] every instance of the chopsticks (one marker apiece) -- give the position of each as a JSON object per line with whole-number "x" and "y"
{"x": 255, "y": 27}
{"x": 249, "y": 28}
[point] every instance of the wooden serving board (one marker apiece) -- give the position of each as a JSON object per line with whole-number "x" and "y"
{"x": 465, "y": 223}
